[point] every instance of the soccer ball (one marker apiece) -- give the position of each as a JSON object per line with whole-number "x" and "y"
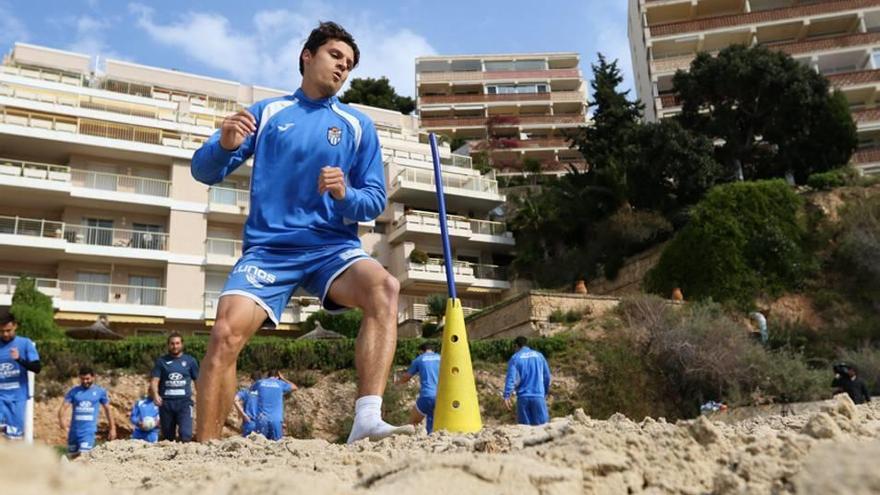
{"x": 149, "y": 423}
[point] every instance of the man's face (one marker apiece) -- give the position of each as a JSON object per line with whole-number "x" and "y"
{"x": 329, "y": 67}
{"x": 86, "y": 380}
{"x": 175, "y": 346}
{"x": 7, "y": 332}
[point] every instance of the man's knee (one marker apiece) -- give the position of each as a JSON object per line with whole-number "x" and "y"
{"x": 226, "y": 341}
{"x": 383, "y": 296}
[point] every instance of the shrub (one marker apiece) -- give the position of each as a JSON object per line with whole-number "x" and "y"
{"x": 347, "y": 324}
{"x": 859, "y": 241}
{"x": 743, "y": 239}
{"x": 566, "y": 317}
{"x": 33, "y": 311}
{"x": 838, "y": 177}
{"x": 418, "y": 256}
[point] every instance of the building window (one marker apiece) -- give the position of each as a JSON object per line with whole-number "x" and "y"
{"x": 99, "y": 232}
{"x": 92, "y": 287}
{"x": 144, "y": 290}
{"x": 143, "y": 237}
{"x": 876, "y": 58}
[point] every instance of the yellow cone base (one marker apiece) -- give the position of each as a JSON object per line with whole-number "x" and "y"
{"x": 457, "y": 409}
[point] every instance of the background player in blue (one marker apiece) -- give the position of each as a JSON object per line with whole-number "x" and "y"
{"x": 85, "y": 399}
{"x": 528, "y": 374}
{"x": 317, "y": 172}
{"x": 247, "y": 406}
{"x": 427, "y": 366}
{"x": 171, "y": 388}
{"x": 18, "y": 355}
{"x": 270, "y": 404}
{"x": 145, "y": 419}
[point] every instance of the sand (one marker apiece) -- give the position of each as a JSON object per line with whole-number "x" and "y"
{"x": 829, "y": 450}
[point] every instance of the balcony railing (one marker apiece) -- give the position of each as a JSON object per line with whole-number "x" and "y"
{"x": 48, "y": 286}
{"x": 230, "y": 197}
{"x": 45, "y": 74}
{"x": 102, "y": 236}
{"x": 486, "y": 227}
{"x": 223, "y": 247}
{"x": 759, "y": 17}
{"x": 543, "y": 75}
{"x": 122, "y": 183}
{"x": 467, "y": 183}
{"x": 855, "y": 77}
{"x": 34, "y": 170}
{"x": 112, "y": 293}
{"x": 99, "y": 128}
{"x": 462, "y": 268}
{"x": 431, "y": 219}
{"x": 490, "y": 272}
{"x": 434, "y": 122}
{"x": 869, "y": 155}
{"x": 32, "y": 227}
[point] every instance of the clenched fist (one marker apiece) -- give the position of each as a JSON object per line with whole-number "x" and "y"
{"x": 236, "y": 128}
{"x": 333, "y": 180}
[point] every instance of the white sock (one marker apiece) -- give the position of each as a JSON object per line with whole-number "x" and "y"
{"x": 368, "y": 421}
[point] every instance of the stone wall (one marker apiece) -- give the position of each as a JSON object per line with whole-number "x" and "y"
{"x": 629, "y": 278}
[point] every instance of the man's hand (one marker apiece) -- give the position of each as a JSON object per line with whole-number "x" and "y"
{"x": 13, "y": 354}
{"x": 508, "y": 403}
{"x": 236, "y": 128}
{"x": 157, "y": 399}
{"x": 245, "y": 418}
{"x": 112, "y": 433}
{"x": 333, "y": 180}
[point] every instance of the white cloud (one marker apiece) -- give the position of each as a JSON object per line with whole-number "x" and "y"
{"x": 90, "y": 35}
{"x": 268, "y": 52}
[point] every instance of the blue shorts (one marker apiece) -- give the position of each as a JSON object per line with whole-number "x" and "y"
{"x": 531, "y": 411}
{"x": 270, "y": 276}
{"x": 271, "y": 429}
{"x": 80, "y": 441}
{"x": 12, "y": 418}
{"x": 151, "y": 436}
{"x": 425, "y": 406}
{"x": 248, "y": 427}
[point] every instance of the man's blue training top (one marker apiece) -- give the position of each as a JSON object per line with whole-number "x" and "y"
{"x": 13, "y": 376}
{"x": 529, "y": 373}
{"x": 427, "y": 366}
{"x": 271, "y": 398}
{"x": 296, "y": 137}
{"x": 85, "y": 401}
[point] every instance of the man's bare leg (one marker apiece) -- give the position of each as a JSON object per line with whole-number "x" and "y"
{"x": 366, "y": 285}
{"x": 238, "y": 318}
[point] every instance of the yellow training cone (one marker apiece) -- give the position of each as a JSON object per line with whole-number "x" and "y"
{"x": 457, "y": 409}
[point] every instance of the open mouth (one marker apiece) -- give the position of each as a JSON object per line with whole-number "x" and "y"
{"x": 337, "y": 76}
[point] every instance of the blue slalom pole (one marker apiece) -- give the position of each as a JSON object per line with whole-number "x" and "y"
{"x": 444, "y": 231}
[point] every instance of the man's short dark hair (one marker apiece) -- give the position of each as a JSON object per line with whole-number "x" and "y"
{"x": 256, "y": 375}
{"x": 426, "y": 346}
{"x": 325, "y": 32}
{"x": 86, "y": 370}
{"x": 173, "y": 335}
{"x": 6, "y": 316}
{"x": 274, "y": 373}
{"x": 521, "y": 341}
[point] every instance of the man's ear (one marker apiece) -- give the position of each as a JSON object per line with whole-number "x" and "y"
{"x": 306, "y": 56}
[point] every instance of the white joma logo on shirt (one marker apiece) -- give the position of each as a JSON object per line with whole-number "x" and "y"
{"x": 284, "y": 127}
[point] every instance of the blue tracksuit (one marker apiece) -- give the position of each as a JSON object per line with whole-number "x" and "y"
{"x": 86, "y": 403}
{"x": 529, "y": 374}
{"x": 14, "y": 385}
{"x": 270, "y": 406}
{"x": 427, "y": 366}
{"x": 249, "y": 402}
{"x": 145, "y": 408}
{"x": 293, "y": 235}
{"x": 176, "y": 375}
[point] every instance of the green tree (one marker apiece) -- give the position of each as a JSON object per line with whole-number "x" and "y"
{"x": 744, "y": 239}
{"x": 377, "y": 93}
{"x": 33, "y": 311}
{"x": 437, "y": 306}
{"x": 772, "y": 115}
{"x": 674, "y": 167}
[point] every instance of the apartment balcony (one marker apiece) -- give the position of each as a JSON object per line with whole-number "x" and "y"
{"x": 419, "y": 311}
{"x": 228, "y": 205}
{"x": 8, "y": 283}
{"x": 866, "y": 156}
{"x": 45, "y": 74}
{"x": 433, "y": 273}
{"x": 865, "y": 77}
{"x": 222, "y": 252}
{"x": 416, "y": 187}
{"x": 760, "y": 17}
{"x": 424, "y": 226}
{"x": 100, "y": 298}
{"x": 551, "y": 121}
{"x": 31, "y": 233}
{"x": 298, "y": 309}
{"x": 868, "y": 118}
{"x": 97, "y": 128}
{"x": 513, "y": 75}
{"x": 121, "y": 184}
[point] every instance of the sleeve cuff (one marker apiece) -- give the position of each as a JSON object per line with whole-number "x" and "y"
{"x": 220, "y": 154}
{"x": 344, "y": 204}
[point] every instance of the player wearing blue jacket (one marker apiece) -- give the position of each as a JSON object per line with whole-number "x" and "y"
{"x": 427, "y": 367}
{"x": 529, "y": 376}
{"x": 18, "y": 355}
{"x": 84, "y": 402}
{"x": 270, "y": 404}
{"x": 143, "y": 411}
{"x": 247, "y": 404}
{"x": 317, "y": 172}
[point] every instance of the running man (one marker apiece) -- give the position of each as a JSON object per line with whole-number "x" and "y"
{"x": 317, "y": 172}
{"x": 270, "y": 404}
{"x": 427, "y": 366}
{"x": 85, "y": 399}
{"x": 18, "y": 355}
{"x": 145, "y": 419}
{"x": 246, "y": 403}
{"x": 529, "y": 374}
{"x": 171, "y": 388}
